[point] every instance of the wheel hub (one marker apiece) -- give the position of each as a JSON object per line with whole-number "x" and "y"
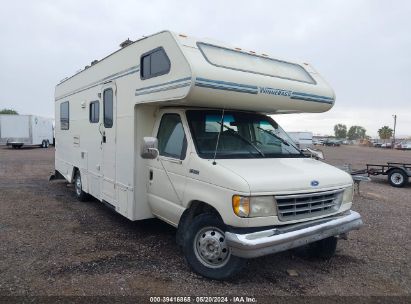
{"x": 397, "y": 178}
{"x": 211, "y": 248}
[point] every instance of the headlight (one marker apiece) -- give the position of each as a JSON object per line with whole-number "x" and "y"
{"x": 254, "y": 206}
{"x": 348, "y": 195}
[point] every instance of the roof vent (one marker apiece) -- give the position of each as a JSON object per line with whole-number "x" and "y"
{"x": 126, "y": 43}
{"x": 94, "y": 62}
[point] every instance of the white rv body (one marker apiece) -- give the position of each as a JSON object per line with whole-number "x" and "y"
{"x": 27, "y": 130}
{"x": 201, "y": 75}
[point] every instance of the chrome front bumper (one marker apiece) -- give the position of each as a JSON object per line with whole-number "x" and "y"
{"x": 274, "y": 240}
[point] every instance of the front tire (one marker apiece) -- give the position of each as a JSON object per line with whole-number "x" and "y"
{"x": 78, "y": 187}
{"x": 397, "y": 178}
{"x": 323, "y": 249}
{"x": 206, "y": 250}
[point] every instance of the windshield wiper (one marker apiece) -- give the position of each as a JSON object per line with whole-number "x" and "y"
{"x": 242, "y": 138}
{"x": 279, "y": 138}
{"x": 274, "y": 135}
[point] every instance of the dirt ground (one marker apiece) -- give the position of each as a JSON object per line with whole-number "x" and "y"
{"x": 51, "y": 244}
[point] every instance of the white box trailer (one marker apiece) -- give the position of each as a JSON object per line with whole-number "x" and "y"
{"x": 25, "y": 130}
{"x": 175, "y": 127}
{"x": 302, "y": 139}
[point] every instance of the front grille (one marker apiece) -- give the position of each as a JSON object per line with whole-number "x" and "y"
{"x": 306, "y": 205}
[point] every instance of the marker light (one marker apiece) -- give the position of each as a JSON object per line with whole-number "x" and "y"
{"x": 241, "y": 205}
{"x": 254, "y": 206}
{"x": 348, "y": 195}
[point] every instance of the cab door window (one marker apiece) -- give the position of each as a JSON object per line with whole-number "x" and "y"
{"x": 172, "y": 141}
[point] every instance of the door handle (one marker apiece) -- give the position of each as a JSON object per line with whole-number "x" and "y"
{"x": 104, "y": 138}
{"x": 151, "y": 175}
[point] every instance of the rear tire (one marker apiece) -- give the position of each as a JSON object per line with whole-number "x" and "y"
{"x": 397, "y": 178}
{"x": 44, "y": 144}
{"x": 206, "y": 251}
{"x": 78, "y": 187}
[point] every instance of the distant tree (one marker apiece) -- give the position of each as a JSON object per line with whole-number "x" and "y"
{"x": 385, "y": 132}
{"x": 340, "y": 131}
{"x": 356, "y": 132}
{"x": 9, "y": 111}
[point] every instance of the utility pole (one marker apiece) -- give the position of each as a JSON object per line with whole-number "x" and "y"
{"x": 393, "y": 134}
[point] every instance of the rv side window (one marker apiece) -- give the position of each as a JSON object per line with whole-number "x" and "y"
{"x": 154, "y": 63}
{"x": 94, "y": 114}
{"x": 64, "y": 115}
{"x": 108, "y": 107}
{"x": 172, "y": 141}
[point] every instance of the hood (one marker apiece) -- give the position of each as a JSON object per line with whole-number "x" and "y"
{"x": 282, "y": 175}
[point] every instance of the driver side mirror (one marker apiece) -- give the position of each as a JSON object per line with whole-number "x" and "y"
{"x": 149, "y": 148}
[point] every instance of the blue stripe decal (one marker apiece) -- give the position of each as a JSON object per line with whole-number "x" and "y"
{"x": 312, "y": 99}
{"x": 312, "y": 96}
{"x": 114, "y": 76}
{"x": 227, "y": 86}
{"x": 176, "y": 86}
{"x": 163, "y": 84}
{"x": 243, "y": 88}
{"x": 129, "y": 71}
{"x": 219, "y": 87}
{"x": 226, "y": 83}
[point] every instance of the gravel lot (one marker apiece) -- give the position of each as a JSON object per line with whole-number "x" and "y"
{"x": 50, "y": 244}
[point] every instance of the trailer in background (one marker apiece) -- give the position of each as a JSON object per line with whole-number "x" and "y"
{"x": 302, "y": 139}
{"x": 25, "y": 130}
{"x": 398, "y": 173}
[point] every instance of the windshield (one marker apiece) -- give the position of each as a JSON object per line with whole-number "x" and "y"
{"x": 243, "y": 135}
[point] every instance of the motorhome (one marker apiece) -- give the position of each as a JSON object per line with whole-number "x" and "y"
{"x": 181, "y": 129}
{"x": 17, "y": 131}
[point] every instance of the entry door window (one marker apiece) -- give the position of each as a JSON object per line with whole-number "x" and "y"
{"x": 108, "y": 108}
{"x": 172, "y": 141}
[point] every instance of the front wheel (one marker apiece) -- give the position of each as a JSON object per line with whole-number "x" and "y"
{"x": 323, "y": 249}
{"x": 206, "y": 250}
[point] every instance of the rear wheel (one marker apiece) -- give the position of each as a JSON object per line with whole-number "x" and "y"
{"x": 397, "y": 178}
{"x": 206, "y": 250}
{"x": 44, "y": 144}
{"x": 78, "y": 187}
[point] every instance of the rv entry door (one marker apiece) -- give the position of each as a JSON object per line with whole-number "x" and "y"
{"x": 108, "y": 142}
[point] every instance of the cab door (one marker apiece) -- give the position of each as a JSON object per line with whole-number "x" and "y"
{"x": 167, "y": 173}
{"x": 108, "y": 142}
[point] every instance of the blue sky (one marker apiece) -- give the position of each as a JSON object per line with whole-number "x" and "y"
{"x": 362, "y": 47}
